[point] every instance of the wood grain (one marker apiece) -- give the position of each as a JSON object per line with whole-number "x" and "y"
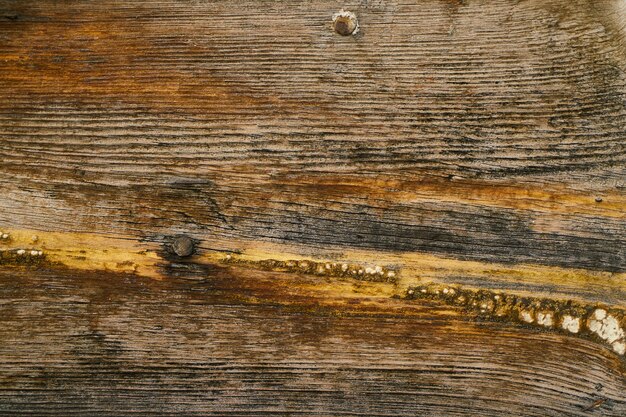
{"x": 191, "y": 116}
{"x": 83, "y": 344}
{"x": 469, "y": 142}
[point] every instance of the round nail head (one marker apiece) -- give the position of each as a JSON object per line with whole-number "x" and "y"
{"x": 345, "y": 23}
{"x": 183, "y": 246}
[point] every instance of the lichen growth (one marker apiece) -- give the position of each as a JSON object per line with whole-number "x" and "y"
{"x": 371, "y": 273}
{"x": 600, "y": 323}
{"x": 22, "y": 257}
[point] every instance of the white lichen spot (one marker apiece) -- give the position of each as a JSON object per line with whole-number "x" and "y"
{"x": 446, "y": 290}
{"x": 526, "y": 316}
{"x": 379, "y": 269}
{"x": 391, "y": 274}
{"x": 34, "y": 253}
{"x": 21, "y": 252}
{"x": 496, "y": 297}
{"x": 344, "y": 267}
{"x": 571, "y": 324}
{"x": 423, "y": 291}
{"x": 40, "y": 253}
{"x": 327, "y": 266}
{"x": 369, "y": 270}
{"x": 486, "y": 307}
{"x": 360, "y": 272}
{"x": 4, "y": 235}
{"x": 451, "y": 291}
{"x": 607, "y": 327}
{"x": 545, "y": 319}
{"x": 410, "y": 292}
{"x": 619, "y": 347}
{"x": 228, "y": 257}
{"x": 599, "y": 314}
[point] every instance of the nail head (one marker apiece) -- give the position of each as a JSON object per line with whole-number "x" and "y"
{"x": 345, "y": 23}
{"x": 183, "y": 246}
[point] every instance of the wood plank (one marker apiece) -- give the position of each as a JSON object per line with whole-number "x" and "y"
{"x": 198, "y": 118}
{"x": 354, "y": 201}
{"x": 94, "y": 344}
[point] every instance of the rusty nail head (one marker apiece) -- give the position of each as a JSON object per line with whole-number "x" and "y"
{"x": 345, "y": 23}
{"x": 183, "y": 246}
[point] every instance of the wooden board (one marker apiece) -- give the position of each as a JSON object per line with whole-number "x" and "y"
{"x": 334, "y": 187}
{"x": 84, "y": 344}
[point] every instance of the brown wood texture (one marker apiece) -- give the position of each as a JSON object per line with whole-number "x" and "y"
{"x": 326, "y": 181}
{"x": 79, "y": 344}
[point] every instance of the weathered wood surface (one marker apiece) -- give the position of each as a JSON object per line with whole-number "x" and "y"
{"x": 480, "y": 130}
{"x": 90, "y": 345}
{"x": 480, "y": 143}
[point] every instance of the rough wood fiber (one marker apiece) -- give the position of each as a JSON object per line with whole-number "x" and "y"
{"x": 81, "y": 344}
{"x": 472, "y": 142}
{"x": 195, "y": 116}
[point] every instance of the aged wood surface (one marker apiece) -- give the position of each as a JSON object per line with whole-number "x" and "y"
{"x": 449, "y": 127}
{"x": 326, "y": 181}
{"x": 87, "y": 345}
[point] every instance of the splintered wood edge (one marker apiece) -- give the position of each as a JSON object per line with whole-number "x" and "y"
{"x": 409, "y": 277}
